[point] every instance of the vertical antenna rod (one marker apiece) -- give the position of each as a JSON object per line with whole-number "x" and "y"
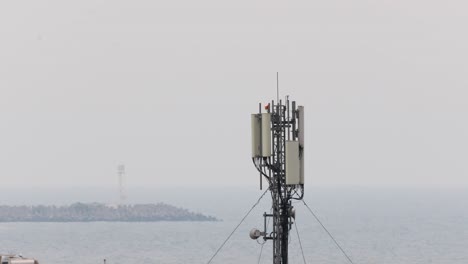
{"x": 277, "y": 87}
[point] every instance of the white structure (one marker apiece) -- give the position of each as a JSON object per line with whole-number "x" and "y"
{"x": 16, "y": 259}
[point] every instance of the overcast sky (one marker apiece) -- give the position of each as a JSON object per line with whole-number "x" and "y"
{"x": 167, "y": 88}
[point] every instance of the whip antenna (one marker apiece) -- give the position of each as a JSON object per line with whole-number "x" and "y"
{"x": 277, "y": 86}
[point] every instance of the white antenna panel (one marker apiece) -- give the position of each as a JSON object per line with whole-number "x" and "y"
{"x": 300, "y": 120}
{"x": 266, "y": 135}
{"x": 256, "y": 136}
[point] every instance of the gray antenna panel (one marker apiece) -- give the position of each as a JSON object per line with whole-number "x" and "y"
{"x": 293, "y": 176}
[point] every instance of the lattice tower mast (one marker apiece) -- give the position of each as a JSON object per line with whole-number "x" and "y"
{"x": 278, "y": 155}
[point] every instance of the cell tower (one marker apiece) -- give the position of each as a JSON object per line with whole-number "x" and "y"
{"x": 278, "y": 155}
{"x": 121, "y": 175}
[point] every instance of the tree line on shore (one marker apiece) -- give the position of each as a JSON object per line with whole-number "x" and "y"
{"x": 89, "y": 212}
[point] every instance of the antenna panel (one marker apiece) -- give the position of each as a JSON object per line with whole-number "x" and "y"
{"x": 300, "y": 120}
{"x": 256, "y": 135}
{"x": 266, "y": 135}
{"x": 301, "y": 164}
{"x": 300, "y": 124}
{"x": 293, "y": 169}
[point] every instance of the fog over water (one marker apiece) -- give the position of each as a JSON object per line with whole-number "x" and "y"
{"x": 386, "y": 225}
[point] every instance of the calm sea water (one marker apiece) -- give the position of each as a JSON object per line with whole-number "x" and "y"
{"x": 373, "y": 226}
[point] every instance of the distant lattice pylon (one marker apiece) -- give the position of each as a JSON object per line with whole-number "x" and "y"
{"x": 121, "y": 175}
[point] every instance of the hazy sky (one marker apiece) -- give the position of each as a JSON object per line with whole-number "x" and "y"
{"x": 167, "y": 87}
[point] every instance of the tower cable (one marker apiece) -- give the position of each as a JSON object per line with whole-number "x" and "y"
{"x": 260, "y": 256}
{"x": 300, "y": 243}
{"x": 329, "y": 234}
{"x": 233, "y": 231}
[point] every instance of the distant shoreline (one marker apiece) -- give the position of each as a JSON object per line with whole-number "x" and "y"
{"x": 97, "y": 212}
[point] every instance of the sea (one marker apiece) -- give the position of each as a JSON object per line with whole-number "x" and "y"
{"x": 397, "y": 225}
